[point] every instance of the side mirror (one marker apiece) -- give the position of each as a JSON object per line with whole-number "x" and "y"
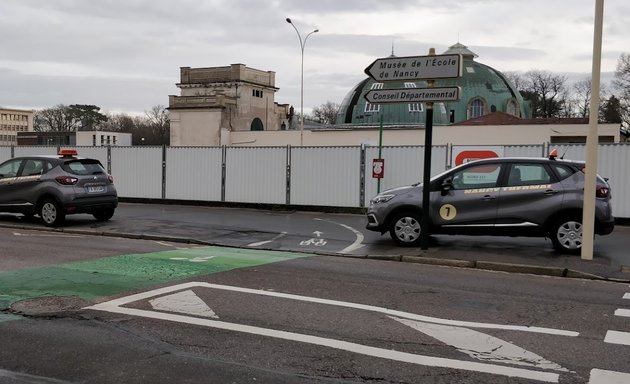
{"x": 447, "y": 185}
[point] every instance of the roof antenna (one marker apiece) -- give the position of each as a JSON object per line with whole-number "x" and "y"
{"x": 393, "y": 48}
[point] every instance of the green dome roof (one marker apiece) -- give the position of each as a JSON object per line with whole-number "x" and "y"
{"x": 483, "y": 90}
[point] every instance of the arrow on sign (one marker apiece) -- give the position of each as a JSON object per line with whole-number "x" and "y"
{"x": 416, "y": 68}
{"x": 412, "y": 95}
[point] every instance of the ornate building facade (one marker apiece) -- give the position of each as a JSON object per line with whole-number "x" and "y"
{"x": 219, "y": 100}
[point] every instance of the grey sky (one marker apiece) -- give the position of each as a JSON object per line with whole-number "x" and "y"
{"x": 124, "y": 55}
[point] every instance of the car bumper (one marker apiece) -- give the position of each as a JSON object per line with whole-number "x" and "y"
{"x": 605, "y": 228}
{"x": 91, "y": 204}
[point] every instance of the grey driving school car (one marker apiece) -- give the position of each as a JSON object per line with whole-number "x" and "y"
{"x": 55, "y": 186}
{"x": 540, "y": 197}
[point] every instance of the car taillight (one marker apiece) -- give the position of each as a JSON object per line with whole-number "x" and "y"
{"x": 66, "y": 180}
{"x": 602, "y": 191}
{"x": 111, "y": 179}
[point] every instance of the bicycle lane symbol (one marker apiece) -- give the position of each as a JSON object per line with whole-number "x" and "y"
{"x": 315, "y": 241}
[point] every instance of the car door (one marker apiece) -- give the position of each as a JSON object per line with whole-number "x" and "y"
{"x": 470, "y": 205}
{"x": 9, "y": 188}
{"x": 531, "y": 193}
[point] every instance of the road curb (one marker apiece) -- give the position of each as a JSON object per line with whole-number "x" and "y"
{"x": 437, "y": 261}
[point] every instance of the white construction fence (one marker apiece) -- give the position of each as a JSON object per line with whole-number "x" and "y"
{"x": 305, "y": 176}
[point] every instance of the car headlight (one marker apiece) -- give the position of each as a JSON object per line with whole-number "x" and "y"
{"x": 378, "y": 199}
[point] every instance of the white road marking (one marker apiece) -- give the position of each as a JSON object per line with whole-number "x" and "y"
{"x": 389, "y": 312}
{"x": 183, "y": 302}
{"x": 626, "y": 296}
{"x": 194, "y": 259}
{"x": 357, "y": 242}
{"x": 258, "y": 244}
{"x": 318, "y": 242}
{"x": 113, "y": 306}
{"x": 481, "y": 346}
{"x": 19, "y": 377}
{"x": 45, "y": 235}
{"x": 318, "y": 233}
{"x": 615, "y": 337}
{"x": 600, "y": 376}
{"x": 622, "y": 312}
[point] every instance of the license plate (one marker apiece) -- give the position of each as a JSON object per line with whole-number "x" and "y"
{"x": 96, "y": 189}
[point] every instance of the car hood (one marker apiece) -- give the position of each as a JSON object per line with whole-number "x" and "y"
{"x": 401, "y": 190}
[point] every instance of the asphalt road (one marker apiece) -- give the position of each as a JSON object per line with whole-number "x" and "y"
{"x": 250, "y": 315}
{"x": 339, "y": 234}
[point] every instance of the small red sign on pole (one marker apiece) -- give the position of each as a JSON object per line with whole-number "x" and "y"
{"x": 378, "y": 168}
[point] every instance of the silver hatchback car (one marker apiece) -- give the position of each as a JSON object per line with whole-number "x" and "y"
{"x": 501, "y": 196}
{"x": 53, "y": 187}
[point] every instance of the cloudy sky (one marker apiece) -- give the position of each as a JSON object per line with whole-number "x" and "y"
{"x": 125, "y": 55}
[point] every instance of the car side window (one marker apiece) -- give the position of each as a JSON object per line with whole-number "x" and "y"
{"x": 563, "y": 171}
{"x": 33, "y": 167}
{"x": 10, "y": 168}
{"x": 478, "y": 176}
{"x": 528, "y": 174}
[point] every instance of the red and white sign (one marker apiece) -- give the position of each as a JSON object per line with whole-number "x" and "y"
{"x": 378, "y": 168}
{"x": 465, "y": 154}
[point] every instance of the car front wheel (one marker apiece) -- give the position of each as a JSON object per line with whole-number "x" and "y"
{"x": 51, "y": 213}
{"x": 405, "y": 229}
{"x": 566, "y": 235}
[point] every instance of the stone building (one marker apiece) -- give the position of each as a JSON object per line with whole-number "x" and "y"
{"x": 13, "y": 121}
{"x": 219, "y": 100}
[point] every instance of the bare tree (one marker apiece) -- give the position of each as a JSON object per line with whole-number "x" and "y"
{"x": 516, "y": 78}
{"x": 582, "y": 97}
{"x": 622, "y": 84}
{"x": 59, "y": 118}
{"x": 326, "y": 113}
{"x": 159, "y": 123}
{"x": 547, "y": 93}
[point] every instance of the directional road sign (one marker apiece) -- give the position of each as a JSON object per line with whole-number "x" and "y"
{"x": 412, "y": 95}
{"x": 416, "y": 68}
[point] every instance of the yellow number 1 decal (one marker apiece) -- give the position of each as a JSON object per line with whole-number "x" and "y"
{"x": 448, "y": 212}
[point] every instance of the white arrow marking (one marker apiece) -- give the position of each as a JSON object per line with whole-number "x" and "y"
{"x": 318, "y": 233}
{"x": 481, "y": 346}
{"x": 116, "y": 306}
{"x": 600, "y": 376}
{"x": 183, "y": 302}
{"x": 344, "y": 304}
{"x": 258, "y": 244}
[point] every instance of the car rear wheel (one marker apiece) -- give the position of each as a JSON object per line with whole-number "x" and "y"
{"x": 566, "y": 234}
{"x": 405, "y": 229}
{"x": 103, "y": 214}
{"x": 51, "y": 213}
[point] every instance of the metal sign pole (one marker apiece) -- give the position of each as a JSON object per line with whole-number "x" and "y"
{"x": 380, "y": 148}
{"x": 426, "y": 173}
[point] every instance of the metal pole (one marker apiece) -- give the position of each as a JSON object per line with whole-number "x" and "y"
{"x": 426, "y": 174}
{"x": 590, "y": 179}
{"x": 302, "y": 45}
{"x": 380, "y": 150}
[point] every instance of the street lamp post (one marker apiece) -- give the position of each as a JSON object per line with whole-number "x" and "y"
{"x": 302, "y": 44}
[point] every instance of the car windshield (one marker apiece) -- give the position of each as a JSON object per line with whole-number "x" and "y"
{"x": 84, "y": 167}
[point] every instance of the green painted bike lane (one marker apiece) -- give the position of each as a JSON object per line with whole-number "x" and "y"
{"x": 108, "y": 276}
